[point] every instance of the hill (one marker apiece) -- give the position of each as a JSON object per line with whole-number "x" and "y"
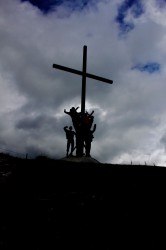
{"x": 51, "y": 204}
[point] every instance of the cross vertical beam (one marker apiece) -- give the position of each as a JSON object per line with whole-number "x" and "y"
{"x": 83, "y": 94}
{"x": 83, "y": 97}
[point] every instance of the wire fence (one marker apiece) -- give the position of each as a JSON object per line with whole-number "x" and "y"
{"x": 24, "y": 155}
{"x": 136, "y": 163}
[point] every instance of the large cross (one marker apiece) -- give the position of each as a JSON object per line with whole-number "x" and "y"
{"x": 84, "y": 75}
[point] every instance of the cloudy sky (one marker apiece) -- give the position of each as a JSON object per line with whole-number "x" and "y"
{"x": 126, "y": 41}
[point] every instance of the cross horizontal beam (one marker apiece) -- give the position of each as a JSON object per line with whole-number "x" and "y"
{"x": 78, "y": 72}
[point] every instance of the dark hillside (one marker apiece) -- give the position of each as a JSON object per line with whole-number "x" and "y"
{"x": 50, "y": 204}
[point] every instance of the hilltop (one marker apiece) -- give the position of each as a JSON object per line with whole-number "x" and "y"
{"x": 54, "y": 204}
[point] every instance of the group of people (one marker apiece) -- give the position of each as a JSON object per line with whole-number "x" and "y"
{"x": 83, "y": 133}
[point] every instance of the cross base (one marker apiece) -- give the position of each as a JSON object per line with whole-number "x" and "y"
{"x": 83, "y": 159}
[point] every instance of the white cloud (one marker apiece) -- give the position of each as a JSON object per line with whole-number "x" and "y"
{"x": 129, "y": 114}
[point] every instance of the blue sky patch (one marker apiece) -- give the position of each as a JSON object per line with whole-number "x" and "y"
{"x": 135, "y": 7}
{"x": 161, "y": 3}
{"x": 44, "y": 5}
{"x": 47, "y": 6}
{"x": 152, "y": 67}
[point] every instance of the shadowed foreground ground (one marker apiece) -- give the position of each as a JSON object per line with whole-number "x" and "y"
{"x": 48, "y": 204}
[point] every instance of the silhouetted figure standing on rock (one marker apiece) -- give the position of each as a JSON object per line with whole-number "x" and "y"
{"x": 70, "y": 140}
{"x": 88, "y": 139}
{"x": 76, "y": 120}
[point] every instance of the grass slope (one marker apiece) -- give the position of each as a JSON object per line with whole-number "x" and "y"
{"x": 50, "y": 204}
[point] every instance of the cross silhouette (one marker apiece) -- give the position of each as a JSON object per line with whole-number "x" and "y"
{"x": 84, "y": 75}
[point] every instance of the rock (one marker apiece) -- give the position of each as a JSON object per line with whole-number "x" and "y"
{"x": 83, "y": 159}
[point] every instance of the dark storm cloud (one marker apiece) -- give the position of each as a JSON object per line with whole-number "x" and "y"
{"x": 37, "y": 123}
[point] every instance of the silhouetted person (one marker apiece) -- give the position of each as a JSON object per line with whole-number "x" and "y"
{"x": 88, "y": 120}
{"x": 70, "y": 140}
{"x": 88, "y": 139}
{"x": 75, "y": 116}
